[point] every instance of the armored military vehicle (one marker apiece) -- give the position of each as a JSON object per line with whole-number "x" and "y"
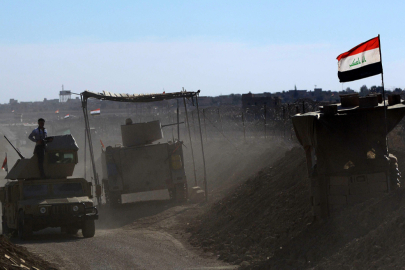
{"x": 141, "y": 166}
{"x": 347, "y": 153}
{"x": 30, "y": 203}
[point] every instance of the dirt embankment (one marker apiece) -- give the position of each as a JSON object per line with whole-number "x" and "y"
{"x": 260, "y": 216}
{"x": 16, "y": 257}
{"x": 267, "y": 221}
{"x": 230, "y": 163}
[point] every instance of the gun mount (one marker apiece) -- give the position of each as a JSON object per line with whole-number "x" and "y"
{"x": 18, "y": 152}
{"x": 60, "y": 161}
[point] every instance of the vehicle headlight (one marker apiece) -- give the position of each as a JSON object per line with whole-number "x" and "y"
{"x": 75, "y": 208}
{"x": 42, "y": 210}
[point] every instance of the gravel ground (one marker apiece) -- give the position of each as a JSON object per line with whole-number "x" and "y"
{"x": 146, "y": 243}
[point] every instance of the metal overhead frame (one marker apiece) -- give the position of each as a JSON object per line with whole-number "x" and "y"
{"x": 105, "y": 95}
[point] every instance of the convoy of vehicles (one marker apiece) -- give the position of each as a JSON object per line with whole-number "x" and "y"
{"x": 140, "y": 165}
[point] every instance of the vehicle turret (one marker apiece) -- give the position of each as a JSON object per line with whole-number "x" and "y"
{"x": 60, "y": 161}
{"x": 135, "y": 134}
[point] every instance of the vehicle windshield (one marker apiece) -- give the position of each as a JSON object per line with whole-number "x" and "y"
{"x": 60, "y": 157}
{"x": 68, "y": 189}
{"x": 35, "y": 190}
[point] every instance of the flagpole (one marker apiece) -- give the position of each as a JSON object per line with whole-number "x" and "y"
{"x": 385, "y": 107}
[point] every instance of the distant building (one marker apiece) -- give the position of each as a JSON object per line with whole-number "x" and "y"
{"x": 205, "y": 101}
{"x": 259, "y": 100}
{"x": 51, "y": 101}
{"x": 224, "y": 100}
{"x": 318, "y": 91}
{"x": 64, "y": 95}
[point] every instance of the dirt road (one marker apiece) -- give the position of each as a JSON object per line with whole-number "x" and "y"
{"x": 121, "y": 242}
{"x": 119, "y": 249}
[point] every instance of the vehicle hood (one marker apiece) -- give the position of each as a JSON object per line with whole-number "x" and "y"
{"x": 57, "y": 201}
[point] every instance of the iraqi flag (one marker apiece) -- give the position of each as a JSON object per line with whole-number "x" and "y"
{"x": 66, "y": 116}
{"x": 4, "y": 166}
{"x": 57, "y": 111}
{"x": 362, "y": 61}
{"x": 95, "y": 112}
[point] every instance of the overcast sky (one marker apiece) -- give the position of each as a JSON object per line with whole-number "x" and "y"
{"x": 220, "y": 47}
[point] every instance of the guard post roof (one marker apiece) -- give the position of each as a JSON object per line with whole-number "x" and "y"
{"x": 105, "y": 95}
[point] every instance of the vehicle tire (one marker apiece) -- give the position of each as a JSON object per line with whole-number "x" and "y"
{"x": 4, "y": 227}
{"x": 24, "y": 228}
{"x": 89, "y": 228}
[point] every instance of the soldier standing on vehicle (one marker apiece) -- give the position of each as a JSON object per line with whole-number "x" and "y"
{"x": 38, "y": 136}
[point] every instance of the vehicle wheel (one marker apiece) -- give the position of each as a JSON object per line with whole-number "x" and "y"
{"x": 24, "y": 229}
{"x": 4, "y": 228}
{"x": 89, "y": 228}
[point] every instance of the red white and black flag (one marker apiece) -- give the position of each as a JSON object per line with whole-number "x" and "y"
{"x": 4, "y": 166}
{"x": 360, "y": 62}
{"x": 95, "y": 112}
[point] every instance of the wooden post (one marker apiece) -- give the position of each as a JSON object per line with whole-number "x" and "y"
{"x": 205, "y": 126}
{"x": 192, "y": 118}
{"x": 85, "y": 164}
{"x": 191, "y": 144}
{"x": 202, "y": 150}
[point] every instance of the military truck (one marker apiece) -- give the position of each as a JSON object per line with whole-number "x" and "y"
{"x": 347, "y": 153}
{"x": 30, "y": 203}
{"x": 143, "y": 167}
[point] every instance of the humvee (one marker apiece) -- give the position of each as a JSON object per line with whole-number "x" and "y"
{"x": 30, "y": 203}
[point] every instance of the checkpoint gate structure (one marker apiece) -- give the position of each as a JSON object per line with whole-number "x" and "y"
{"x": 105, "y": 95}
